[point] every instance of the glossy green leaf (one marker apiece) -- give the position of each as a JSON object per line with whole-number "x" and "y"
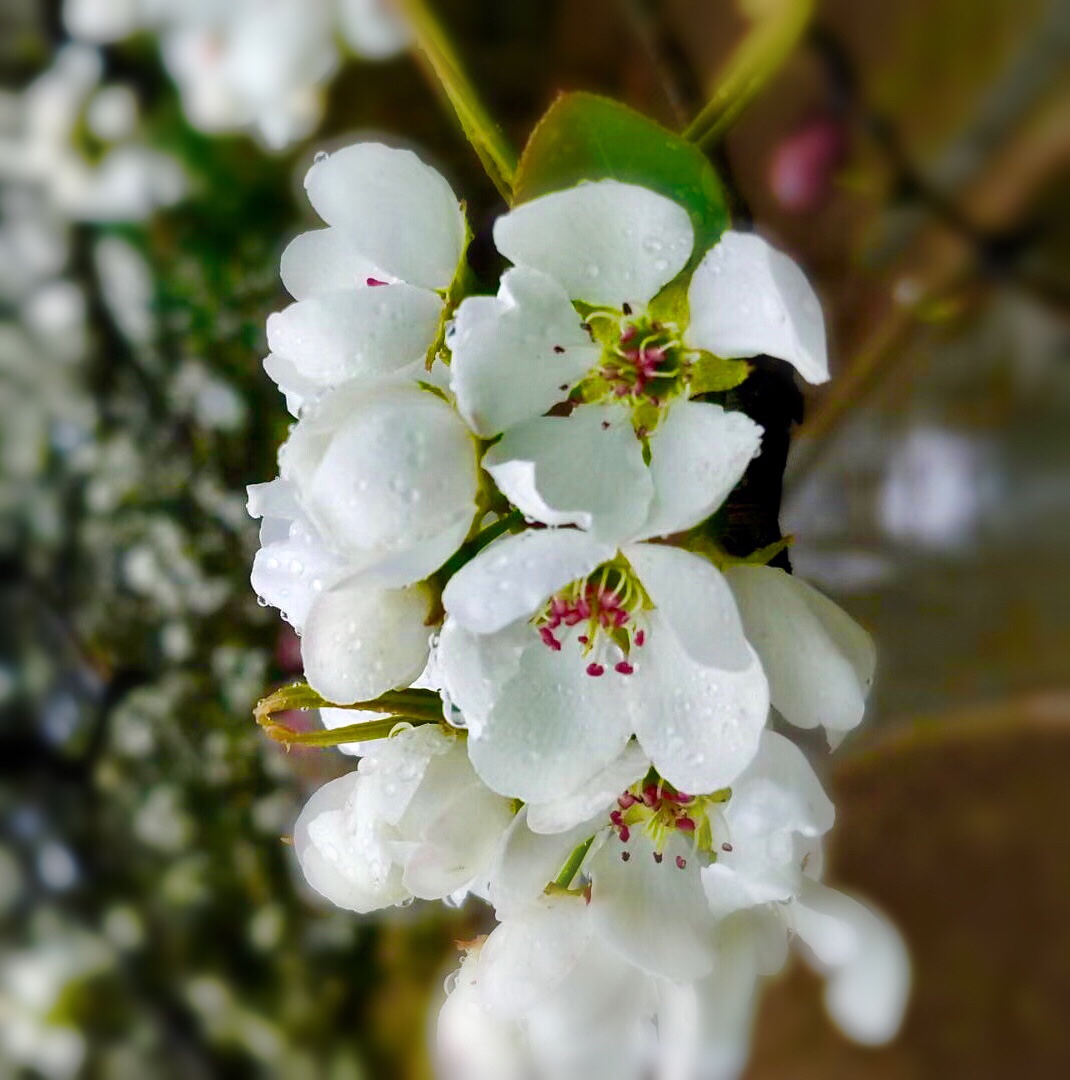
{"x": 586, "y": 137}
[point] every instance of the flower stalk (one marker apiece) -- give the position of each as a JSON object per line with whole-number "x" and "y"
{"x": 498, "y": 158}
{"x": 759, "y": 56}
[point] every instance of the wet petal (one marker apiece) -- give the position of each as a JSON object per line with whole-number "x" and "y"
{"x": 819, "y": 661}
{"x": 323, "y": 261}
{"x": 551, "y": 728}
{"x": 585, "y": 469}
{"x": 365, "y": 334}
{"x": 699, "y": 725}
{"x": 396, "y": 211}
{"x": 747, "y": 298}
{"x": 361, "y": 641}
{"x": 605, "y": 242}
{"x": 691, "y": 596}
{"x": 517, "y": 354}
{"x": 654, "y": 914}
{"x": 515, "y": 576}
{"x": 698, "y": 453}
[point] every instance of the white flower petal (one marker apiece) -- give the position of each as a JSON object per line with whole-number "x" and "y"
{"x": 747, "y": 298}
{"x": 605, "y": 242}
{"x": 698, "y": 453}
{"x": 323, "y": 261}
{"x": 395, "y": 210}
{"x": 594, "y": 797}
{"x": 585, "y": 469}
{"x": 466, "y": 830}
{"x": 700, "y": 726}
{"x": 475, "y": 667}
{"x": 382, "y": 473}
{"x": 517, "y": 354}
{"x": 819, "y": 661}
{"x": 292, "y": 572}
{"x": 338, "y": 852}
{"x": 525, "y": 959}
{"x": 653, "y": 914}
{"x": 515, "y": 576}
{"x": 366, "y": 334}
{"x": 777, "y": 805}
{"x": 864, "y": 958}
{"x": 551, "y": 728}
{"x": 361, "y": 641}
{"x": 297, "y": 388}
{"x": 527, "y": 862}
{"x": 691, "y": 596}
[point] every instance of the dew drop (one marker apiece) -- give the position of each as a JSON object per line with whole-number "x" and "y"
{"x": 321, "y": 156}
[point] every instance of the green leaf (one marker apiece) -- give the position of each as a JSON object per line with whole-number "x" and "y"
{"x": 586, "y": 137}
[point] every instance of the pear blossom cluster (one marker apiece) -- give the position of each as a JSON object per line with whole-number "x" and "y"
{"x": 499, "y": 504}
{"x": 257, "y": 65}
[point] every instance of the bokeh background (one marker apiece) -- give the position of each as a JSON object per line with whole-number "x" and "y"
{"x": 912, "y": 156}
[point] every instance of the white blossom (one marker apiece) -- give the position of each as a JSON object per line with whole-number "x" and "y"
{"x": 819, "y": 661}
{"x": 559, "y": 648}
{"x": 631, "y": 356}
{"x": 367, "y": 287}
{"x": 413, "y": 820}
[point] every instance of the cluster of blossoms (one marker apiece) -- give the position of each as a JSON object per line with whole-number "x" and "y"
{"x": 489, "y": 513}
{"x": 248, "y": 64}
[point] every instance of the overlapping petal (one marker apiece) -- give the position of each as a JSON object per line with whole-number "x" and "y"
{"x": 747, "y": 298}
{"x": 605, "y": 242}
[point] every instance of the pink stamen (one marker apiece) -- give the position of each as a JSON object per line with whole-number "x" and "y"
{"x": 595, "y": 670}
{"x": 685, "y": 824}
{"x": 681, "y": 862}
{"x": 375, "y": 282}
{"x": 627, "y": 801}
{"x": 624, "y": 668}
{"x": 625, "y": 834}
{"x": 640, "y": 638}
{"x": 548, "y": 639}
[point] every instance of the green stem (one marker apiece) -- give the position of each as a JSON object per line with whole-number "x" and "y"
{"x": 496, "y": 155}
{"x": 757, "y": 59}
{"x": 373, "y": 729}
{"x": 401, "y": 703}
{"x": 572, "y": 867}
{"x": 478, "y": 542}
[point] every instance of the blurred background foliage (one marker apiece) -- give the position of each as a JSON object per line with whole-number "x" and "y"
{"x": 913, "y": 156}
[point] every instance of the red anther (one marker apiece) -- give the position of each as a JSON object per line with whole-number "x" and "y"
{"x": 595, "y": 670}
{"x": 650, "y": 794}
{"x": 620, "y": 617}
{"x": 625, "y": 834}
{"x": 627, "y": 801}
{"x": 726, "y": 847}
{"x": 624, "y": 668}
{"x": 583, "y": 639}
{"x": 640, "y": 638}
{"x": 685, "y": 824}
{"x": 559, "y": 349}
{"x": 681, "y": 862}
{"x": 628, "y": 334}
{"x": 583, "y": 608}
{"x": 375, "y": 281}
{"x": 625, "y": 856}
{"x": 658, "y": 857}
{"x": 615, "y": 818}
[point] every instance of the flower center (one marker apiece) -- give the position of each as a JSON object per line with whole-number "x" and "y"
{"x": 644, "y": 361}
{"x": 602, "y": 614}
{"x": 656, "y": 810}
